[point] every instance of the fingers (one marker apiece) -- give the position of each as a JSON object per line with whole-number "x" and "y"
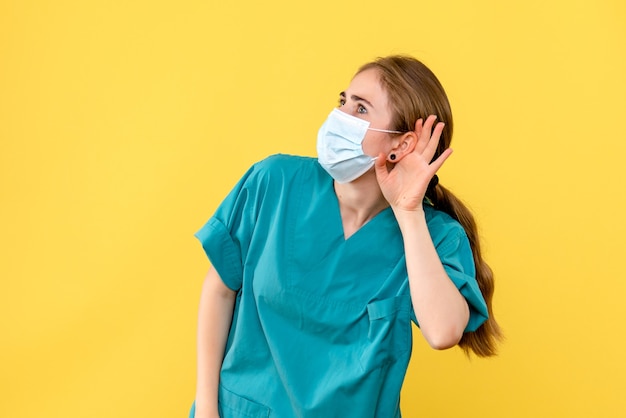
{"x": 419, "y": 126}
{"x": 433, "y": 143}
{"x": 425, "y": 133}
{"x": 436, "y": 165}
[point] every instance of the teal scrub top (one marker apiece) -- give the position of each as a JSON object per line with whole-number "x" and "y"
{"x": 322, "y": 324}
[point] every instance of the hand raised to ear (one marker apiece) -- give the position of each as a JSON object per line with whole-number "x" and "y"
{"x": 404, "y": 184}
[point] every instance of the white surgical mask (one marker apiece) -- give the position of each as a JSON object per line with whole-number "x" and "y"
{"x": 339, "y": 149}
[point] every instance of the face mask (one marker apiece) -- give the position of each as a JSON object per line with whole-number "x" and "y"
{"x": 339, "y": 149}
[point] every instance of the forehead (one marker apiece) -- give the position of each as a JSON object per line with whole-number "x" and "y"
{"x": 366, "y": 84}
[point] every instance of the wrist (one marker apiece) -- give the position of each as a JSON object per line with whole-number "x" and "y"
{"x": 409, "y": 218}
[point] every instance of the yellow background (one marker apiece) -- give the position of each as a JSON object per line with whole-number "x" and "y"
{"x": 124, "y": 123}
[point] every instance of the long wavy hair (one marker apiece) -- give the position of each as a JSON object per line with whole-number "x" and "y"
{"x": 415, "y": 92}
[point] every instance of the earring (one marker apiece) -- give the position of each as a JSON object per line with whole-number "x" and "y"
{"x": 392, "y": 157}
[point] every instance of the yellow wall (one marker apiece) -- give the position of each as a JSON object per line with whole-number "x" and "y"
{"x": 124, "y": 123}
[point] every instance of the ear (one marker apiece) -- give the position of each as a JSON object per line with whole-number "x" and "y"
{"x": 402, "y": 145}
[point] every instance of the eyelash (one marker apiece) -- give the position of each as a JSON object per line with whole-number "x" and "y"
{"x": 361, "y": 109}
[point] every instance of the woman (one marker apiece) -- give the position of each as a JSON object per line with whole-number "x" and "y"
{"x": 319, "y": 266}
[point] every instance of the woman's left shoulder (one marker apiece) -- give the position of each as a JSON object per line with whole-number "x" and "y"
{"x": 442, "y": 227}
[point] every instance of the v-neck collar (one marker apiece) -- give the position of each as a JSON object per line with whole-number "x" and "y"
{"x": 383, "y": 214}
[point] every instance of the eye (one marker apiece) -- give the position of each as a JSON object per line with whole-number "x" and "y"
{"x": 342, "y": 101}
{"x": 361, "y": 109}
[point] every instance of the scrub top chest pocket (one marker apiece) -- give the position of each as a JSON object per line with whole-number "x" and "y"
{"x": 389, "y": 337}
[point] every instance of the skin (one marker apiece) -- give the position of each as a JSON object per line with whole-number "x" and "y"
{"x": 217, "y": 303}
{"x": 441, "y": 310}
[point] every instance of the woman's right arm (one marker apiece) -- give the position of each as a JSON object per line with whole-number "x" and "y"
{"x": 214, "y": 318}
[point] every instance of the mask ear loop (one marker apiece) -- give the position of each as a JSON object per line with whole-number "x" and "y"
{"x": 388, "y": 131}
{"x": 392, "y": 157}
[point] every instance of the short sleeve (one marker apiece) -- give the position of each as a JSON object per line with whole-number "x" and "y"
{"x": 457, "y": 259}
{"x": 226, "y": 236}
{"x": 455, "y": 253}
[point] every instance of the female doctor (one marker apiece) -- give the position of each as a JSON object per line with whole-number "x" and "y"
{"x": 320, "y": 265}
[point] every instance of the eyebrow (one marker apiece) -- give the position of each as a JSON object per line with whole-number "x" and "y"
{"x": 356, "y": 98}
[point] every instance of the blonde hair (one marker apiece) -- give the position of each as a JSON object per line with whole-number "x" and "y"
{"x": 415, "y": 92}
